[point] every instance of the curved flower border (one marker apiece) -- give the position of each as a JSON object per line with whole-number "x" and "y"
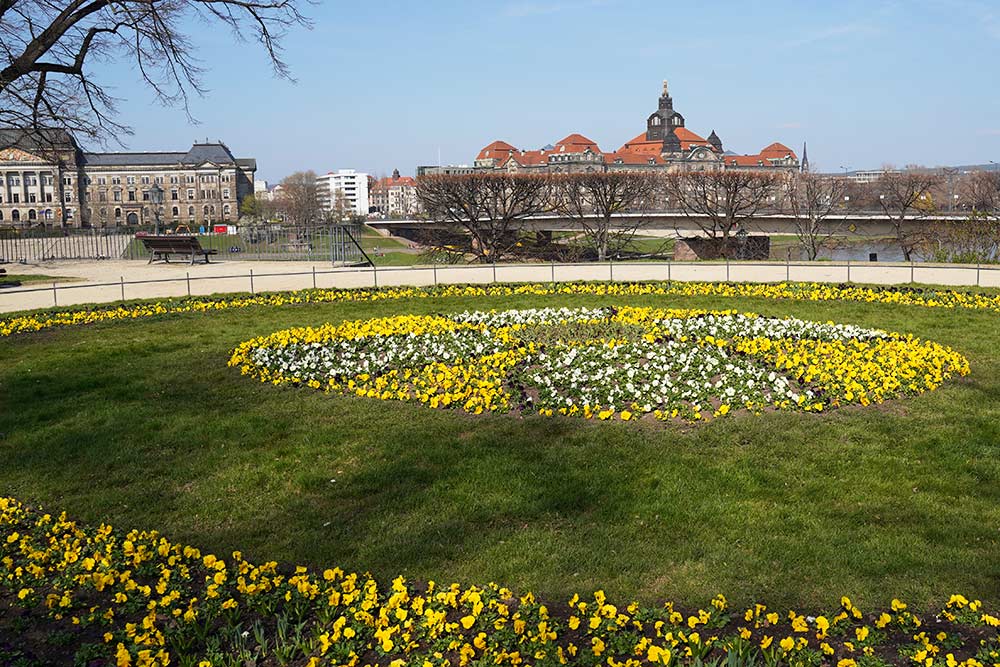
{"x": 138, "y": 599}
{"x": 679, "y": 363}
{"x": 929, "y": 298}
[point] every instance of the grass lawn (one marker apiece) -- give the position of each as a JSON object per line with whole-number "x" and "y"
{"x": 141, "y": 424}
{"x": 35, "y": 278}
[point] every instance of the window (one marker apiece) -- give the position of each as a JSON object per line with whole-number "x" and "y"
{"x": 102, "y": 196}
{"x": 31, "y": 214}
{"x": 145, "y": 195}
{"x": 173, "y": 180}
{"x": 204, "y": 211}
{"x": 190, "y": 194}
{"x": 118, "y": 213}
{"x": 226, "y": 210}
{"x": 47, "y": 196}
{"x": 67, "y": 180}
{"x": 101, "y": 180}
{"x": 117, "y": 195}
{"x": 145, "y": 180}
{"x": 175, "y": 211}
{"x": 191, "y": 211}
{"x": 190, "y": 178}
{"x": 15, "y": 197}
{"x": 15, "y": 215}
{"x": 173, "y": 195}
{"x": 131, "y": 195}
{"x": 14, "y": 180}
{"x": 130, "y": 180}
{"x": 158, "y": 179}
{"x": 116, "y": 180}
{"x": 68, "y": 196}
{"x": 31, "y": 199}
{"x": 225, "y": 193}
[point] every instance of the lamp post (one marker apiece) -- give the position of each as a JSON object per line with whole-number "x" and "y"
{"x": 156, "y": 199}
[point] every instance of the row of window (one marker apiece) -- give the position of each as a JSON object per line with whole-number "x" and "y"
{"x": 116, "y": 195}
{"x": 175, "y": 211}
{"x": 32, "y": 214}
{"x": 14, "y": 179}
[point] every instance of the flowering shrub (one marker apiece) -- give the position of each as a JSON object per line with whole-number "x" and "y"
{"x": 138, "y": 599}
{"x": 930, "y": 298}
{"x": 603, "y": 362}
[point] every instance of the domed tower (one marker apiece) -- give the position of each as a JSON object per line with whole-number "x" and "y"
{"x": 664, "y": 117}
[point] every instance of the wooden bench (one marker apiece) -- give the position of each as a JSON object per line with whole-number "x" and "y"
{"x": 162, "y": 247}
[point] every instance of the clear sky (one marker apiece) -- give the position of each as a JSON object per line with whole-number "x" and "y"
{"x": 390, "y": 84}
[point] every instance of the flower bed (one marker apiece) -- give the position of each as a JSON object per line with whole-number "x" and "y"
{"x": 73, "y": 594}
{"x": 603, "y": 362}
{"x": 930, "y": 298}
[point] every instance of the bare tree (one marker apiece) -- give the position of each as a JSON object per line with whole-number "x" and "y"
{"x": 981, "y": 190}
{"x": 48, "y": 49}
{"x": 486, "y": 205}
{"x": 299, "y": 198}
{"x": 719, "y": 202}
{"x": 812, "y": 200}
{"x": 904, "y": 197}
{"x": 593, "y": 200}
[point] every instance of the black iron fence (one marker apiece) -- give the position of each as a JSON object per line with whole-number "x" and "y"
{"x": 337, "y": 244}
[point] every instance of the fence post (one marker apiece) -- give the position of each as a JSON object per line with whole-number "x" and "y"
{"x": 314, "y": 276}
{"x": 55, "y": 299}
{"x": 188, "y": 274}
{"x": 122, "y": 278}
{"x": 611, "y": 270}
{"x": 553, "y": 274}
{"x": 911, "y": 271}
{"x": 668, "y": 271}
{"x": 788, "y": 269}
{"x": 848, "y": 270}
{"x": 727, "y": 269}
{"x": 375, "y": 274}
{"x": 494, "y": 271}
{"x": 435, "y": 267}
{"x": 977, "y": 274}
{"x": 251, "y": 282}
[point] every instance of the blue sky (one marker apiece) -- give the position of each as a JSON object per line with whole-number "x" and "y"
{"x": 390, "y": 84}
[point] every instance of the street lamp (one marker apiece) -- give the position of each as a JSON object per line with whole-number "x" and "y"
{"x": 156, "y": 199}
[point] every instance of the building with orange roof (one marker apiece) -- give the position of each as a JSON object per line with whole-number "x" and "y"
{"x": 394, "y": 196}
{"x": 666, "y": 144}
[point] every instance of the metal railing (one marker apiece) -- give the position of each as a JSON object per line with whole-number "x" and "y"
{"x": 959, "y": 275}
{"x": 337, "y": 244}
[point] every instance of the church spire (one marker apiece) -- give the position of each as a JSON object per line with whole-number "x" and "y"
{"x": 715, "y": 141}
{"x": 804, "y": 165}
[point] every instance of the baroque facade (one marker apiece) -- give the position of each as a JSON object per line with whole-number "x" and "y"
{"x": 666, "y": 144}
{"x": 52, "y": 181}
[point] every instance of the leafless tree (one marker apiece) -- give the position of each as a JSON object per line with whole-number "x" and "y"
{"x": 49, "y": 50}
{"x": 485, "y": 205}
{"x": 981, "y": 191}
{"x": 299, "y": 199}
{"x": 902, "y": 198}
{"x": 719, "y": 202}
{"x": 592, "y": 200}
{"x": 812, "y": 200}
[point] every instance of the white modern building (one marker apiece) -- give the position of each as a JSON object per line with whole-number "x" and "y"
{"x": 344, "y": 190}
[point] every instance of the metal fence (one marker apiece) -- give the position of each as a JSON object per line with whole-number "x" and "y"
{"x": 957, "y": 275}
{"x": 337, "y": 244}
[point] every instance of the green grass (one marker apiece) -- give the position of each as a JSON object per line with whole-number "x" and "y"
{"x": 142, "y": 425}
{"x": 36, "y": 278}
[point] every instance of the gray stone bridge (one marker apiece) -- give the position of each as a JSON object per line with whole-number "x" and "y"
{"x": 676, "y": 225}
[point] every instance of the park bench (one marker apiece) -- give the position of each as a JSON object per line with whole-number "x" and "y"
{"x": 162, "y": 247}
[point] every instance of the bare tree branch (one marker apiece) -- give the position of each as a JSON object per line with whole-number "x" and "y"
{"x": 48, "y": 51}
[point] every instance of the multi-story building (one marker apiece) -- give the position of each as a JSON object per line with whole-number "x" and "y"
{"x": 343, "y": 192}
{"x": 666, "y": 144}
{"x": 53, "y": 181}
{"x": 394, "y": 196}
